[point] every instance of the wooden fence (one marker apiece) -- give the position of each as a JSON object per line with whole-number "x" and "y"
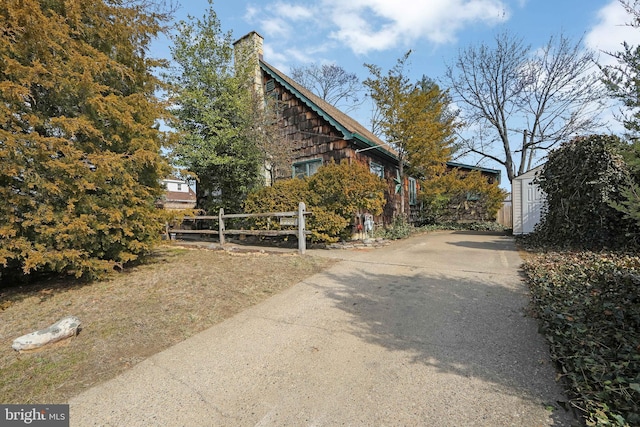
{"x": 504, "y": 216}
{"x": 296, "y": 219}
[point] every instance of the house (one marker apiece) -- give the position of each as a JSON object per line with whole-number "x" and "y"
{"x": 178, "y": 195}
{"x": 527, "y": 201}
{"x": 492, "y": 175}
{"x": 320, "y": 133}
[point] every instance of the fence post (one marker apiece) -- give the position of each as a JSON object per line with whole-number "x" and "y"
{"x": 221, "y": 226}
{"x": 302, "y": 238}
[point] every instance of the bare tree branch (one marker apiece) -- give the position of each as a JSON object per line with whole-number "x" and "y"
{"x": 331, "y": 83}
{"x": 546, "y": 95}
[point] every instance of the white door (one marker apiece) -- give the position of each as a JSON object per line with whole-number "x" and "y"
{"x": 532, "y": 201}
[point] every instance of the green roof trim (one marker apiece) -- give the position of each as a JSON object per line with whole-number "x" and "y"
{"x": 306, "y": 100}
{"x": 476, "y": 168}
{"x": 360, "y": 138}
{"x": 348, "y": 135}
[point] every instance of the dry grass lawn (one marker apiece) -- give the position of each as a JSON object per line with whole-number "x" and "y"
{"x": 131, "y": 316}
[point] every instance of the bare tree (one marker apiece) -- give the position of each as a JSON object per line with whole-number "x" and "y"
{"x": 275, "y": 148}
{"x": 331, "y": 83}
{"x": 525, "y": 101}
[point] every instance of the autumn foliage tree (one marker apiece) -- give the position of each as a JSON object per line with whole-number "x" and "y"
{"x": 414, "y": 119}
{"x": 80, "y": 158}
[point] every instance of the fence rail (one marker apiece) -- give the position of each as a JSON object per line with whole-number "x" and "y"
{"x": 299, "y": 222}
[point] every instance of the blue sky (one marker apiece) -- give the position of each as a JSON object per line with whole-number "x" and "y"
{"x": 350, "y": 33}
{"x": 353, "y": 32}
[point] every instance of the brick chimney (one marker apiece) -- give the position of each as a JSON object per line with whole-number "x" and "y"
{"x": 248, "y": 53}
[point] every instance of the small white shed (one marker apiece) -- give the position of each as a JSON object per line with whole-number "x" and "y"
{"x": 528, "y": 201}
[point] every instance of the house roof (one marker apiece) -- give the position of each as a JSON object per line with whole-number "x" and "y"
{"x": 531, "y": 173}
{"x": 496, "y": 172}
{"x": 180, "y": 196}
{"x": 350, "y": 128}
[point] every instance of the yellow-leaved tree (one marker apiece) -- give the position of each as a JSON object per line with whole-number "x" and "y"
{"x": 80, "y": 159}
{"x": 415, "y": 119}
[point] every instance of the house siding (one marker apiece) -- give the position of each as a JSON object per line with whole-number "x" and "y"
{"x": 313, "y": 137}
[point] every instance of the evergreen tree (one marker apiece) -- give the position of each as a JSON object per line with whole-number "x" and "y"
{"x": 623, "y": 82}
{"x": 80, "y": 155}
{"x": 214, "y": 110}
{"x": 415, "y": 120}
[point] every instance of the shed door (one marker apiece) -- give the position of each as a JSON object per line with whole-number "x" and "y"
{"x": 532, "y": 201}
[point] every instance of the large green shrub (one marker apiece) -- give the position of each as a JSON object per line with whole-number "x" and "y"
{"x": 284, "y": 196}
{"x": 454, "y": 196}
{"x": 347, "y": 189}
{"x": 583, "y": 180}
{"x": 334, "y": 195}
{"x": 80, "y": 150}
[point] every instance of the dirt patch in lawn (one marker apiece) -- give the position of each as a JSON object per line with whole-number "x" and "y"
{"x": 132, "y": 316}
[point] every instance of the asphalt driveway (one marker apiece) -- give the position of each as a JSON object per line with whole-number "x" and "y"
{"x": 428, "y": 331}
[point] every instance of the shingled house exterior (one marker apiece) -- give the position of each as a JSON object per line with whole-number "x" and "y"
{"x": 320, "y": 133}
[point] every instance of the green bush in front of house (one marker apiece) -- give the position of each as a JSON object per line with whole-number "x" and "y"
{"x": 334, "y": 194}
{"x": 583, "y": 180}
{"x": 348, "y": 189}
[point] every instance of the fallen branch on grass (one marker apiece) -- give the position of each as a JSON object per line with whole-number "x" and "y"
{"x": 60, "y": 330}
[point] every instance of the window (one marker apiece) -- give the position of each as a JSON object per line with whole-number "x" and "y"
{"x": 307, "y": 168}
{"x": 413, "y": 191}
{"x": 376, "y": 169}
{"x": 179, "y": 187}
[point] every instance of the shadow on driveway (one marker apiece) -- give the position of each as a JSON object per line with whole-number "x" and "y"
{"x": 472, "y": 327}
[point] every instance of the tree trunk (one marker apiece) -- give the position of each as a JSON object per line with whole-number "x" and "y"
{"x": 401, "y": 170}
{"x": 62, "y": 329}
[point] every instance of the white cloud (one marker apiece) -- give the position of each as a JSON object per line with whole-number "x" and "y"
{"x": 293, "y": 12}
{"x": 376, "y": 25}
{"x": 276, "y": 57}
{"x": 251, "y": 13}
{"x": 275, "y": 28}
{"x": 610, "y": 31}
